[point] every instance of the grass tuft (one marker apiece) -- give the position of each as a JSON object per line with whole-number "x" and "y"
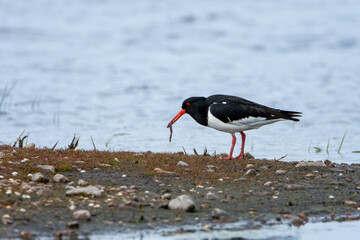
{"x": 20, "y": 140}
{"x": 74, "y": 143}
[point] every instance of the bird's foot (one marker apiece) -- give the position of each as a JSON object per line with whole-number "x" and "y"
{"x": 241, "y": 156}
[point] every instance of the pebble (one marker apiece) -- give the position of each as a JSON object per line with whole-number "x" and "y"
{"x": 211, "y": 196}
{"x": 182, "y": 164}
{"x": 6, "y": 219}
{"x": 249, "y": 166}
{"x": 280, "y": 172}
{"x": 250, "y": 172}
{"x": 82, "y": 183}
{"x": 159, "y": 170}
{"x": 44, "y": 192}
{"x": 30, "y": 145}
{"x": 87, "y": 191}
{"x": 268, "y": 184}
{"x": 14, "y": 174}
{"x": 25, "y": 160}
{"x": 310, "y": 175}
{"x": 303, "y": 217}
{"x": 59, "y": 178}
{"x": 242, "y": 179}
{"x": 337, "y": 170}
{"x": 350, "y": 203}
{"x": 40, "y": 177}
{"x": 263, "y": 168}
{"x": 182, "y": 202}
{"x": 2, "y": 154}
{"x": 166, "y": 196}
{"x": 26, "y": 196}
{"x": 219, "y": 214}
{"x": 73, "y": 225}
{"x": 104, "y": 165}
{"x": 310, "y": 164}
{"x": 25, "y": 235}
{"x": 81, "y": 215}
{"x": 79, "y": 162}
{"x": 47, "y": 168}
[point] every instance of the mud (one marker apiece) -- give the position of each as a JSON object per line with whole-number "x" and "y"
{"x": 274, "y": 192}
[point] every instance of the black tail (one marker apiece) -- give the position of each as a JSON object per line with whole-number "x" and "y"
{"x": 290, "y": 115}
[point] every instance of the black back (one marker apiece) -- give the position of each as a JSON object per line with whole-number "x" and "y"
{"x": 230, "y": 108}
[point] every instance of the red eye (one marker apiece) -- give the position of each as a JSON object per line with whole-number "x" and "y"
{"x": 187, "y": 104}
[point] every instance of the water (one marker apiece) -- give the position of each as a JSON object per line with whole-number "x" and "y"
{"x": 311, "y": 231}
{"x": 118, "y": 71}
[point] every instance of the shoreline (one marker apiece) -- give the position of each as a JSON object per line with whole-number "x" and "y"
{"x": 133, "y": 191}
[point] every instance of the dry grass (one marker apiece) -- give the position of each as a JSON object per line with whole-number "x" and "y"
{"x": 134, "y": 164}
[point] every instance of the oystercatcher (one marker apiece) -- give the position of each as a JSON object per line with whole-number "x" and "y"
{"x": 231, "y": 114}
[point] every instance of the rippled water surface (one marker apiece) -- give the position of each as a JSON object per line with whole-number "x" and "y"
{"x": 118, "y": 71}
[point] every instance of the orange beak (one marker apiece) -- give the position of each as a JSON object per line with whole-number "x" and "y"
{"x": 182, "y": 112}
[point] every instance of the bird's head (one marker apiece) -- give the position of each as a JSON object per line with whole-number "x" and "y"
{"x": 190, "y": 106}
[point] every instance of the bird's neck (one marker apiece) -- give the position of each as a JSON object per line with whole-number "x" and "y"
{"x": 200, "y": 115}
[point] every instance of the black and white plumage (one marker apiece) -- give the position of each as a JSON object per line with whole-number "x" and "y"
{"x": 232, "y": 114}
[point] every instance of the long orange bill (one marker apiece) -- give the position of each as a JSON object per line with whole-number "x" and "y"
{"x": 182, "y": 112}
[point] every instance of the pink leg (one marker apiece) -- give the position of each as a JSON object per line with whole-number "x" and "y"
{"x": 233, "y": 142}
{"x": 243, "y": 136}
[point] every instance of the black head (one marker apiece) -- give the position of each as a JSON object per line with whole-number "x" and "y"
{"x": 192, "y": 103}
{"x": 196, "y": 107}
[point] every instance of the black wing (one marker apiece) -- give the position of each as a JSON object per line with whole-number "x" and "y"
{"x": 231, "y": 108}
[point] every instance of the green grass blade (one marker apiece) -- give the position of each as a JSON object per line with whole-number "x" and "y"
{"x": 342, "y": 141}
{"x": 327, "y": 146}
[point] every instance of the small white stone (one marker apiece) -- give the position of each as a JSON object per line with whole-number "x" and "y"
{"x": 331, "y": 197}
{"x": 72, "y": 207}
{"x": 22, "y": 210}
{"x": 25, "y": 160}
{"x": 26, "y": 196}
{"x": 8, "y": 192}
{"x": 1, "y": 177}
{"x": 124, "y": 176}
{"x": 14, "y": 174}
{"x": 83, "y": 171}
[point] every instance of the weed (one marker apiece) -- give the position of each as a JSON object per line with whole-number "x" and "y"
{"x": 20, "y": 140}
{"x": 195, "y": 152}
{"x": 184, "y": 150}
{"x": 327, "y": 146}
{"x": 74, "y": 143}
{"x": 342, "y": 141}
{"x": 275, "y": 159}
{"x": 317, "y": 149}
{"x": 65, "y": 168}
{"x": 93, "y": 143}
{"x": 111, "y": 138}
{"x": 356, "y": 151}
{"x": 52, "y": 149}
